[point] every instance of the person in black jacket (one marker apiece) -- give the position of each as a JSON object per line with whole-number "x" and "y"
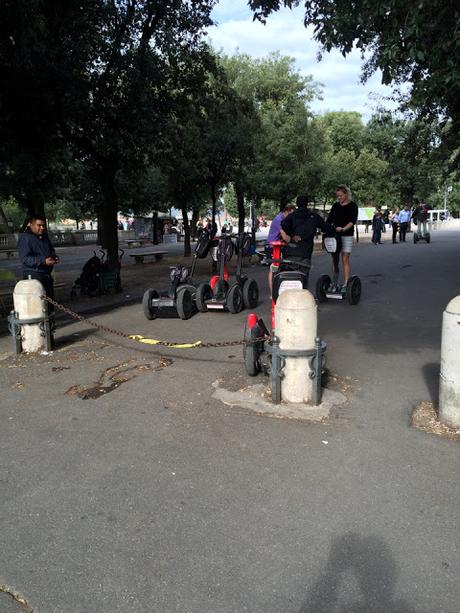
{"x": 298, "y": 230}
{"x": 37, "y": 255}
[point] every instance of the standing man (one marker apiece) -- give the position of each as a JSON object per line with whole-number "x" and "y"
{"x": 274, "y": 235}
{"x": 377, "y": 227}
{"x": 38, "y": 256}
{"x": 404, "y": 221}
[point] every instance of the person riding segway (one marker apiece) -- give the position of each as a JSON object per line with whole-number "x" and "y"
{"x": 298, "y": 230}
{"x": 420, "y": 218}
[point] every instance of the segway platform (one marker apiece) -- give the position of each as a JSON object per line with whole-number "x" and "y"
{"x": 326, "y": 290}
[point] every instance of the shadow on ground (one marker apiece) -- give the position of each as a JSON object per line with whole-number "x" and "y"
{"x": 370, "y": 561}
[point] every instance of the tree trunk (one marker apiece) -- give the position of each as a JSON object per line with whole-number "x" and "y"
{"x": 155, "y": 228}
{"x": 214, "y": 204}
{"x": 186, "y": 225}
{"x": 195, "y": 219}
{"x": 35, "y": 205}
{"x": 240, "y": 204}
{"x": 213, "y": 219}
{"x": 108, "y": 215}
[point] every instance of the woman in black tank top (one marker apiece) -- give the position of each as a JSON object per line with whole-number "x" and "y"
{"x": 343, "y": 216}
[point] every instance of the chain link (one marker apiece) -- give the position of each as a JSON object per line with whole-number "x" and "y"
{"x": 129, "y": 337}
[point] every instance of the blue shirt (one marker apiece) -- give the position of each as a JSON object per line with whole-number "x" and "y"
{"x": 404, "y": 216}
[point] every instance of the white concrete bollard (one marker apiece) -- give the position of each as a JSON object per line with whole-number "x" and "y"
{"x": 296, "y": 322}
{"x": 29, "y": 305}
{"x": 449, "y": 383}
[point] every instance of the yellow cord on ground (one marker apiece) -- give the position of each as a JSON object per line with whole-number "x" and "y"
{"x": 151, "y": 341}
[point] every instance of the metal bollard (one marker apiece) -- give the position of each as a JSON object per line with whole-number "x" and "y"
{"x": 296, "y": 327}
{"x": 29, "y": 322}
{"x": 449, "y": 383}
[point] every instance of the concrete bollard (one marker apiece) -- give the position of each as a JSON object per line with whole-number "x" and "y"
{"x": 296, "y": 323}
{"x": 28, "y": 304}
{"x": 449, "y": 383}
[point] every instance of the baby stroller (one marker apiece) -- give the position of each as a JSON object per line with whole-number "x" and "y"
{"x": 96, "y": 278}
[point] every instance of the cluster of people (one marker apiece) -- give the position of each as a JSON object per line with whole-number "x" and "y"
{"x": 297, "y": 227}
{"x": 399, "y": 220}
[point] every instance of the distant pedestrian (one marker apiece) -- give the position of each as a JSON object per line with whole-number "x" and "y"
{"x": 394, "y": 221}
{"x": 404, "y": 222}
{"x": 377, "y": 227}
{"x": 420, "y": 217}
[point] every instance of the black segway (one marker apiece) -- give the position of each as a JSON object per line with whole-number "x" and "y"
{"x": 221, "y": 295}
{"x": 327, "y": 290}
{"x": 179, "y": 299}
{"x": 423, "y": 237}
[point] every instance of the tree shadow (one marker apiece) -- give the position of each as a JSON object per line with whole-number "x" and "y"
{"x": 431, "y": 375}
{"x": 371, "y": 561}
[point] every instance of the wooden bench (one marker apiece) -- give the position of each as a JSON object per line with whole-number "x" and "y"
{"x": 136, "y": 242}
{"x": 139, "y": 257}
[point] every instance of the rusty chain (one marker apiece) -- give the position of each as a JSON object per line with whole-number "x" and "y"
{"x": 129, "y": 337}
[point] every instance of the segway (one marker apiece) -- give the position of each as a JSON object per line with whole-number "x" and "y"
{"x": 221, "y": 295}
{"x": 179, "y": 299}
{"x": 327, "y": 290}
{"x": 423, "y": 237}
{"x": 262, "y": 352}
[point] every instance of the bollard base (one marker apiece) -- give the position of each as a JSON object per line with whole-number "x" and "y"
{"x": 257, "y": 398}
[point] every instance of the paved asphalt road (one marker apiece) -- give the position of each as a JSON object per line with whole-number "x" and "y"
{"x": 156, "y": 497}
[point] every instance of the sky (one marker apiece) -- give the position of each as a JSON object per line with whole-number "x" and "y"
{"x": 285, "y": 32}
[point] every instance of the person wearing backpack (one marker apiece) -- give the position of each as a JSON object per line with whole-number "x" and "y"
{"x": 420, "y": 217}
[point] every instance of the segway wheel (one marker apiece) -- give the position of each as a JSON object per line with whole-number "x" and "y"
{"x": 251, "y": 353}
{"x": 184, "y": 303}
{"x": 203, "y": 294}
{"x": 191, "y": 288}
{"x": 321, "y": 288}
{"x": 149, "y": 311}
{"x": 354, "y": 290}
{"x": 415, "y": 237}
{"x": 234, "y": 302}
{"x": 428, "y": 237}
{"x": 250, "y": 294}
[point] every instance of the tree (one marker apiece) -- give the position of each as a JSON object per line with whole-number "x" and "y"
{"x": 411, "y": 149}
{"x": 344, "y": 129}
{"x": 288, "y": 142}
{"x": 409, "y": 41}
{"x": 100, "y": 76}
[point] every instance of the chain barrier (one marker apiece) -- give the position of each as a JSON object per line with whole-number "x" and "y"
{"x": 150, "y": 341}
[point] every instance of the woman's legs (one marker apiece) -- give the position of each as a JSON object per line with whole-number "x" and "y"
{"x": 395, "y": 231}
{"x": 346, "y": 266}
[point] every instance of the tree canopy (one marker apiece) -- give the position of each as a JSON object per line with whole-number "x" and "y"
{"x": 410, "y": 41}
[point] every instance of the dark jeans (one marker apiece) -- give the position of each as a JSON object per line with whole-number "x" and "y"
{"x": 377, "y": 235}
{"x": 403, "y": 227}
{"x": 395, "y": 231}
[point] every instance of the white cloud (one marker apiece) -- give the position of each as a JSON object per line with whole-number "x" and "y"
{"x": 285, "y": 32}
